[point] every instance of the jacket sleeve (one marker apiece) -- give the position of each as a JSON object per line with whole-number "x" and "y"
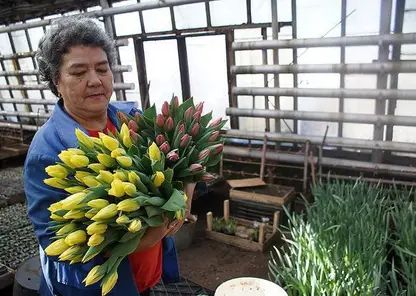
{"x": 40, "y": 196}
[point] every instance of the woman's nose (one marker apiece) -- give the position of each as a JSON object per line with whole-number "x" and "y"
{"x": 93, "y": 79}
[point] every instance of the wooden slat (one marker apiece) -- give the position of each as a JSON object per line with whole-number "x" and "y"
{"x": 234, "y": 241}
{"x": 240, "y": 183}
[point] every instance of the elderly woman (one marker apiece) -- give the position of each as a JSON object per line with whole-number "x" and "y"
{"x": 75, "y": 58}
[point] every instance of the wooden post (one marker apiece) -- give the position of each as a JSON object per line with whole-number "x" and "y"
{"x": 261, "y": 233}
{"x": 263, "y": 158}
{"x": 312, "y": 163}
{"x": 226, "y": 210}
{"x": 276, "y": 218}
{"x": 209, "y": 221}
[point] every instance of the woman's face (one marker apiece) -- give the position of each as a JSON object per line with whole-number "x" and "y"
{"x": 85, "y": 81}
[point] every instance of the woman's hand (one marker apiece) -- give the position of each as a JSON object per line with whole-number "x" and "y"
{"x": 177, "y": 224}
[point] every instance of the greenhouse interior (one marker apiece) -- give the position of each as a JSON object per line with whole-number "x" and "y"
{"x": 276, "y": 137}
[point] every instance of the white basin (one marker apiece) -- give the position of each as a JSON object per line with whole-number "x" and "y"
{"x": 249, "y": 286}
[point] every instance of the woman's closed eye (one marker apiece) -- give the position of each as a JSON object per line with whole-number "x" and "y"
{"x": 102, "y": 70}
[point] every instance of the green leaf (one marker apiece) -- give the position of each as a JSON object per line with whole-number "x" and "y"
{"x": 213, "y": 160}
{"x": 123, "y": 249}
{"x": 128, "y": 236}
{"x": 110, "y": 237}
{"x": 133, "y": 150}
{"x": 136, "y": 214}
{"x": 205, "y": 145}
{"x": 182, "y": 163}
{"x": 177, "y": 185}
{"x": 148, "y": 134}
{"x": 154, "y": 221}
{"x": 150, "y": 113}
{"x": 188, "y": 103}
{"x": 166, "y": 189}
{"x": 153, "y": 211}
{"x": 155, "y": 201}
{"x": 95, "y": 192}
{"x": 175, "y": 202}
{"x": 145, "y": 179}
{"x": 157, "y": 166}
{"x": 60, "y": 213}
{"x": 168, "y": 175}
{"x": 205, "y": 119}
{"x": 146, "y": 164}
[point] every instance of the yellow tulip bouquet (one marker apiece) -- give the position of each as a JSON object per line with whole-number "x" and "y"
{"x": 120, "y": 185}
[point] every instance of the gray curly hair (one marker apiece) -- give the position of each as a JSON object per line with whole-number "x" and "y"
{"x": 65, "y": 33}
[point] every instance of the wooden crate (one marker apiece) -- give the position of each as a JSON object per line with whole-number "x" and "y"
{"x": 268, "y": 234}
{"x": 268, "y": 194}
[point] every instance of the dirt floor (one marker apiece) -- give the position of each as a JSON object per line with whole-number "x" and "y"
{"x": 210, "y": 263}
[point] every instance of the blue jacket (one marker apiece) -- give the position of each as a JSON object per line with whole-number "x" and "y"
{"x": 60, "y": 278}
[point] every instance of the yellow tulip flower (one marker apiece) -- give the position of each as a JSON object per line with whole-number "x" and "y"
{"x": 125, "y": 161}
{"x": 96, "y": 228}
{"x": 72, "y": 201}
{"x": 57, "y": 183}
{"x": 106, "y": 213}
{"x": 76, "y": 237}
{"x": 57, "y": 171}
{"x": 128, "y": 205}
{"x": 74, "y": 214}
{"x": 106, "y": 160}
{"x": 118, "y": 152}
{"x": 117, "y": 188}
{"x": 158, "y": 179}
{"x": 109, "y": 142}
{"x": 90, "y": 181}
{"x": 129, "y": 188}
{"x": 75, "y": 189}
{"x": 108, "y": 283}
{"x": 96, "y": 167}
{"x": 123, "y": 219}
{"x": 84, "y": 139}
{"x": 95, "y": 275}
{"x": 105, "y": 176}
{"x": 79, "y": 161}
{"x": 135, "y": 226}
{"x": 154, "y": 152}
{"x": 66, "y": 229}
{"x": 98, "y": 203}
{"x": 57, "y": 248}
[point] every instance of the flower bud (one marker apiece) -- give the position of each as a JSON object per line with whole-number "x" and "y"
{"x": 184, "y": 141}
{"x": 216, "y": 122}
{"x": 158, "y": 179}
{"x": 125, "y": 161}
{"x": 106, "y": 160}
{"x": 109, "y": 282}
{"x": 176, "y": 102}
{"x": 95, "y": 240}
{"x": 160, "y": 139}
{"x": 57, "y": 218}
{"x": 72, "y": 201}
{"x": 109, "y": 142}
{"x": 214, "y": 136}
{"x": 165, "y": 147}
{"x": 55, "y": 207}
{"x": 182, "y": 129}
{"x": 135, "y": 225}
{"x": 137, "y": 116}
{"x": 96, "y": 228}
{"x": 195, "y": 129}
{"x": 74, "y": 214}
{"x": 117, "y": 188}
{"x": 133, "y": 126}
{"x": 165, "y": 109}
{"x": 204, "y": 153}
{"x": 105, "y": 176}
{"x": 133, "y": 177}
{"x": 207, "y": 177}
{"x": 91, "y": 213}
{"x": 76, "y": 237}
{"x": 172, "y": 156}
{"x": 79, "y": 175}
{"x": 118, "y": 152}
{"x": 90, "y": 181}
{"x": 128, "y": 205}
{"x": 200, "y": 106}
{"x": 98, "y": 203}
{"x": 134, "y": 136}
{"x": 75, "y": 189}
{"x": 123, "y": 219}
{"x": 120, "y": 175}
{"x": 57, "y": 171}
{"x": 124, "y": 131}
{"x": 69, "y": 253}
{"x": 57, "y": 183}
{"x": 65, "y": 156}
{"x": 179, "y": 215}
{"x": 129, "y": 188}
{"x": 57, "y": 247}
{"x": 96, "y": 167}
{"x": 67, "y": 228}
{"x": 84, "y": 139}
{"x": 188, "y": 114}
{"x": 127, "y": 141}
{"x": 197, "y": 115}
{"x": 106, "y": 213}
{"x": 122, "y": 117}
{"x": 76, "y": 151}
{"x": 154, "y": 153}
{"x": 185, "y": 197}
{"x": 195, "y": 167}
{"x": 216, "y": 149}
{"x": 160, "y": 121}
{"x": 169, "y": 125}
{"x": 95, "y": 275}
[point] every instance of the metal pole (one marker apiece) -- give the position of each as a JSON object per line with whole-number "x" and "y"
{"x": 375, "y": 68}
{"x": 25, "y": 127}
{"x": 208, "y": 14}
{"x": 376, "y": 94}
{"x": 275, "y": 33}
{"x": 407, "y": 38}
{"x": 107, "y": 12}
{"x": 342, "y": 56}
{"x": 116, "y": 86}
{"x": 324, "y": 116}
{"x": 394, "y": 78}
{"x": 141, "y": 20}
{"x": 232, "y": 81}
{"x": 141, "y": 72}
{"x": 117, "y": 68}
{"x": 184, "y": 68}
{"x": 383, "y": 56}
{"x": 325, "y": 161}
{"x": 28, "y": 101}
{"x": 295, "y": 60}
{"x": 248, "y": 10}
{"x": 329, "y": 141}
{"x": 265, "y": 80}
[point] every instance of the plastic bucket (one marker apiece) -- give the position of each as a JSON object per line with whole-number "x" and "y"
{"x": 249, "y": 286}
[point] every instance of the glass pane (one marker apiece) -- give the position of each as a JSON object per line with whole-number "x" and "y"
{"x": 228, "y": 12}
{"x": 365, "y": 20}
{"x": 361, "y": 54}
{"x": 5, "y": 47}
{"x": 162, "y": 71}
{"x": 190, "y": 16}
{"x": 157, "y": 20}
{"x": 358, "y": 131}
{"x": 127, "y": 23}
{"x": 208, "y": 73}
